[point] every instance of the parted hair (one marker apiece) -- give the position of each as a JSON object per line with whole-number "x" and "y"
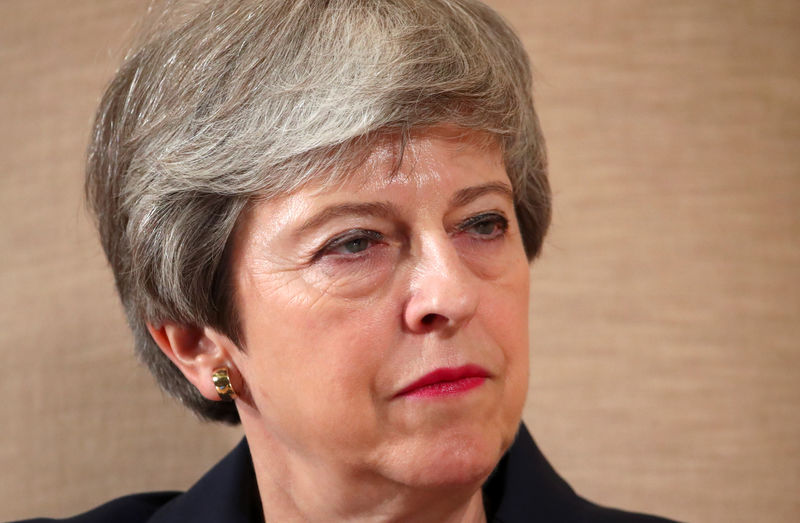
{"x": 223, "y": 101}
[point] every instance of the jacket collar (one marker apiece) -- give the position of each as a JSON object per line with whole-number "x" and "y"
{"x": 524, "y": 487}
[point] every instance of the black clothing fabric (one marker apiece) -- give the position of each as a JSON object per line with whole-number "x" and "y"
{"x": 523, "y": 488}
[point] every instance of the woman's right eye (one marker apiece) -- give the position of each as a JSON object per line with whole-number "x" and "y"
{"x": 351, "y": 246}
{"x": 351, "y": 243}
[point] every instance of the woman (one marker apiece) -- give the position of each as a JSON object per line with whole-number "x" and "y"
{"x": 320, "y": 215}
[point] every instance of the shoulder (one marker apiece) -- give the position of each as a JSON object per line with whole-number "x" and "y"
{"x": 135, "y": 508}
{"x": 228, "y": 492}
{"x": 524, "y": 488}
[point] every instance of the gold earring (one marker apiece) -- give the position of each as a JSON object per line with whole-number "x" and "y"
{"x": 222, "y": 382}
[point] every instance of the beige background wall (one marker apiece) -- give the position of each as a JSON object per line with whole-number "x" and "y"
{"x": 666, "y": 307}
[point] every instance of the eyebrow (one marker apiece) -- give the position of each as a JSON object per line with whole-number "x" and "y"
{"x": 387, "y": 210}
{"x": 380, "y": 209}
{"x": 470, "y": 194}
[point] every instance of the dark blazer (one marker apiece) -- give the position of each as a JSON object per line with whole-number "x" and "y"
{"x": 523, "y": 488}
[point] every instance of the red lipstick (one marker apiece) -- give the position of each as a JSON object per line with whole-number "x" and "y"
{"x": 446, "y": 381}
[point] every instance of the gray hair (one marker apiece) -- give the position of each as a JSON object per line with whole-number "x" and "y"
{"x": 223, "y": 101}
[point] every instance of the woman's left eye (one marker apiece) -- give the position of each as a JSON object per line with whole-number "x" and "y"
{"x": 485, "y": 226}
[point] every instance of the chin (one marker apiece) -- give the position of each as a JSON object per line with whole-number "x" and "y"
{"x": 451, "y": 458}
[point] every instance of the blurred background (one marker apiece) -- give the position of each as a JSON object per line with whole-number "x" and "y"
{"x": 665, "y": 308}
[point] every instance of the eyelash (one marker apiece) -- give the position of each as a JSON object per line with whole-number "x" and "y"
{"x": 486, "y": 218}
{"x": 500, "y": 221}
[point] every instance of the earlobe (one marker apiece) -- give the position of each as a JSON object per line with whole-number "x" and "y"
{"x": 197, "y": 352}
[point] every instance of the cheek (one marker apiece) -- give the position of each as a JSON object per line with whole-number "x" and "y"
{"x": 508, "y": 317}
{"x": 311, "y": 362}
{"x": 317, "y": 347}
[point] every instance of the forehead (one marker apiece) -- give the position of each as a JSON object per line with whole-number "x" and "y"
{"x": 440, "y": 156}
{"x": 414, "y": 160}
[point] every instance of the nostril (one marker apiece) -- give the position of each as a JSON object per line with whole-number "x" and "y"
{"x": 428, "y": 319}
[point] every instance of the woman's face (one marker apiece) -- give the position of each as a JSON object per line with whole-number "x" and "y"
{"x": 349, "y": 296}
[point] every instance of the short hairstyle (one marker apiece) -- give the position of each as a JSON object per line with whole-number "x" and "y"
{"x": 223, "y": 101}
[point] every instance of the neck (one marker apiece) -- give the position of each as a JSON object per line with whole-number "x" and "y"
{"x": 296, "y": 488}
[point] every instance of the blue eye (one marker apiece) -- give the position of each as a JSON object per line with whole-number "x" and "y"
{"x": 485, "y": 226}
{"x": 352, "y": 242}
{"x": 355, "y": 245}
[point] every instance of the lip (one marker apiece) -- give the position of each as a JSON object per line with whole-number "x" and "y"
{"x": 446, "y": 381}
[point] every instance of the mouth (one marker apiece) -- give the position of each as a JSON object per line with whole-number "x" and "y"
{"x": 446, "y": 382}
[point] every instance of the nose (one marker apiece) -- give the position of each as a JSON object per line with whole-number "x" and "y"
{"x": 443, "y": 292}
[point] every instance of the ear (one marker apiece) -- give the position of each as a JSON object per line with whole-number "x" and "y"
{"x": 196, "y": 351}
